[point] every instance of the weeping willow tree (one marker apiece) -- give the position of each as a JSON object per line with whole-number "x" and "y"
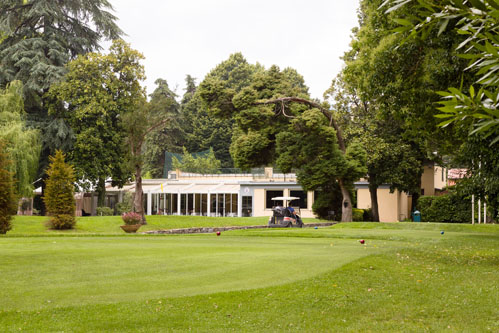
{"x": 22, "y": 144}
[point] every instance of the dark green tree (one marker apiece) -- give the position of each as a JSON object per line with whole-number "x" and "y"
{"x": 469, "y": 106}
{"x": 390, "y": 94}
{"x": 97, "y": 92}
{"x": 293, "y": 132}
{"x": 59, "y": 195}
{"x": 203, "y": 130}
{"x": 477, "y": 24}
{"x": 38, "y": 37}
{"x": 201, "y": 164}
{"x": 8, "y": 198}
{"x": 168, "y": 138}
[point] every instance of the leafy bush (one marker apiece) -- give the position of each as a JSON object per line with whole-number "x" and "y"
{"x": 327, "y": 201}
{"x": 59, "y": 193}
{"x": 451, "y": 207}
{"x": 204, "y": 165}
{"x": 126, "y": 205}
{"x": 131, "y": 218}
{"x": 61, "y": 221}
{"x": 8, "y": 200}
{"x": 368, "y": 215}
{"x": 104, "y": 211}
{"x": 357, "y": 215}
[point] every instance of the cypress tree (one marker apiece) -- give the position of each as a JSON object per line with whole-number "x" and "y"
{"x": 59, "y": 193}
{"x": 8, "y": 199}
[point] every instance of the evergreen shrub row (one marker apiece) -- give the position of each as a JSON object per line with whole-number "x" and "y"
{"x": 450, "y": 207}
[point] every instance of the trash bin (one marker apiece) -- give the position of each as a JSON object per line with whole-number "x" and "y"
{"x": 416, "y": 216}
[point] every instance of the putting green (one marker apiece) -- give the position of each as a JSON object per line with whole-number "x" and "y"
{"x": 44, "y": 272}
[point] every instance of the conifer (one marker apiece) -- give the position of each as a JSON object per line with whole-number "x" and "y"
{"x": 59, "y": 193}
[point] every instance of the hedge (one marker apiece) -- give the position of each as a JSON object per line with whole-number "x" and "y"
{"x": 450, "y": 207}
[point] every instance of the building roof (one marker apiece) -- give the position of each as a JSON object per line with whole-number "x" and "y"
{"x": 456, "y": 173}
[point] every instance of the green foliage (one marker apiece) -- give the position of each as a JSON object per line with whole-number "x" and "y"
{"x": 22, "y": 144}
{"x": 451, "y": 207}
{"x": 477, "y": 23}
{"x": 168, "y": 138}
{"x": 39, "y": 38}
{"x": 482, "y": 162}
{"x": 201, "y": 164}
{"x": 309, "y": 146}
{"x": 326, "y": 202}
{"x": 203, "y": 130}
{"x": 386, "y": 95}
{"x": 358, "y": 215}
{"x": 276, "y": 122}
{"x": 126, "y": 205}
{"x": 104, "y": 211}
{"x": 36, "y": 52}
{"x": 59, "y": 193}
{"x": 100, "y": 91}
{"x": 8, "y": 198}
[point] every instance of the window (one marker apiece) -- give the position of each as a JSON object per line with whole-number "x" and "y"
{"x": 302, "y": 202}
{"x": 271, "y": 203}
{"x": 247, "y": 206}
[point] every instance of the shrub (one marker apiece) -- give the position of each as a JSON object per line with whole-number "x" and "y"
{"x": 126, "y": 205}
{"x": 368, "y": 215}
{"x": 104, "y": 211}
{"x": 451, "y": 207}
{"x": 61, "y": 222}
{"x": 328, "y": 201}
{"x": 8, "y": 200}
{"x": 357, "y": 215}
{"x": 59, "y": 193}
{"x": 131, "y": 218}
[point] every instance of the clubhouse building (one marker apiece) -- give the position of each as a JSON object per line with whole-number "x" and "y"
{"x": 250, "y": 194}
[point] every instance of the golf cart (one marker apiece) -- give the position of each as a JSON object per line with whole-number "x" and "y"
{"x": 285, "y": 216}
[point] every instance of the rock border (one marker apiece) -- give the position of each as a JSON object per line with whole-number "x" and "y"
{"x": 207, "y": 230}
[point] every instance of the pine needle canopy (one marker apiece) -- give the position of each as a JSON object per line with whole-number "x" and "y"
{"x": 38, "y": 37}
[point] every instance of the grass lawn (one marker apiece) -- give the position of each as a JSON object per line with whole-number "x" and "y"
{"x": 407, "y": 277}
{"x": 110, "y": 225}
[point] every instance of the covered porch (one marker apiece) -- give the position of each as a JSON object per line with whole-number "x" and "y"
{"x": 196, "y": 199}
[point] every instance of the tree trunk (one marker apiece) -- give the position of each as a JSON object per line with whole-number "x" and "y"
{"x": 415, "y": 195}
{"x": 138, "y": 198}
{"x": 43, "y": 208}
{"x": 346, "y": 207}
{"x": 373, "y": 190}
{"x": 414, "y": 201}
{"x": 101, "y": 192}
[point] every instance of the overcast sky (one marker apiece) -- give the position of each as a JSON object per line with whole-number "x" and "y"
{"x": 193, "y": 36}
